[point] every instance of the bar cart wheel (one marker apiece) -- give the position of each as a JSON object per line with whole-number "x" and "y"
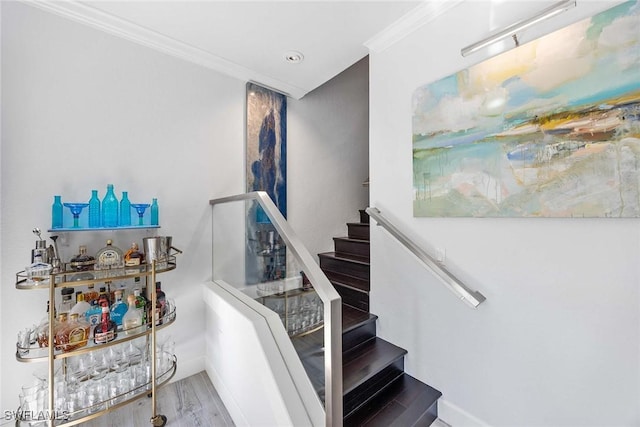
{"x": 159, "y": 421}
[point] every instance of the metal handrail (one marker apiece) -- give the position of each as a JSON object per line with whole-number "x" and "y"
{"x": 471, "y": 297}
{"x": 327, "y": 293}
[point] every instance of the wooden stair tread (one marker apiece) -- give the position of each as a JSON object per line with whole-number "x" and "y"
{"x": 352, "y": 239}
{"x": 310, "y": 347}
{"x": 362, "y": 362}
{"x": 348, "y": 280}
{"x": 405, "y": 402}
{"x": 353, "y": 318}
{"x": 346, "y": 257}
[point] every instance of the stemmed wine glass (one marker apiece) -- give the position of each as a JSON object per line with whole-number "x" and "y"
{"x": 75, "y": 209}
{"x": 140, "y": 208}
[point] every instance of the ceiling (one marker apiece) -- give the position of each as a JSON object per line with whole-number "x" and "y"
{"x": 249, "y": 39}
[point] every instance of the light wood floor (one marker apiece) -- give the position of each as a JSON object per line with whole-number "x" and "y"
{"x": 190, "y": 402}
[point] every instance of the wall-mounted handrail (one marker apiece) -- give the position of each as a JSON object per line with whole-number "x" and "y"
{"x": 325, "y": 290}
{"x": 471, "y": 297}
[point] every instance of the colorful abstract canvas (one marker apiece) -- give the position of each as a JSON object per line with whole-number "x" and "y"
{"x": 549, "y": 129}
{"x": 266, "y": 167}
{"x": 267, "y": 144}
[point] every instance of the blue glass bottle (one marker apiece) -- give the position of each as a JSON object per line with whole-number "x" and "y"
{"x": 56, "y": 212}
{"x": 110, "y": 207}
{"x": 118, "y": 309}
{"x": 154, "y": 212}
{"x": 125, "y": 210}
{"x": 93, "y": 314}
{"x": 94, "y": 210}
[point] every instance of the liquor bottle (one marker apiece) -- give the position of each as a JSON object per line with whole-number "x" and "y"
{"x": 56, "y": 212}
{"x": 82, "y": 261}
{"x": 81, "y": 306}
{"x": 109, "y": 257}
{"x": 67, "y": 300}
{"x": 93, "y": 315}
{"x": 125, "y": 210}
{"x": 95, "y": 219}
{"x": 141, "y": 304}
{"x": 118, "y": 309}
{"x": 133, "y": 256}
{"x": 103, "y": 298}
{"x": 155, "y": 212}
{"x": 58, "y": 331}
{"x": 105, "y": 331}
{"x": 110, "y": 208}
{"x": 133, "y": 317}
{"x": 161, "y": 304}
{"x": 72, "y": 334}
{"x": 91, "y": 294}
{"x": 43, "y": 329}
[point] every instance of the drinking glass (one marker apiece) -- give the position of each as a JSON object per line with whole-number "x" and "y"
{"x": 76, "y": 209}
{"x": 24, "y": 341}
{"x": 171, "y": 309}
{"x": 140, "y": 208}
{"x": 132, "y": 353}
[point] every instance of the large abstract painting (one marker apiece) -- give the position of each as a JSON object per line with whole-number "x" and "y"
{"x": 267, "y": 144}
{"x": 266, "y": 171}
{"x": 549, "y": 129}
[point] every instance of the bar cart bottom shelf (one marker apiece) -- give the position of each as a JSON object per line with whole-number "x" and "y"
{"x": 67, "y": 418}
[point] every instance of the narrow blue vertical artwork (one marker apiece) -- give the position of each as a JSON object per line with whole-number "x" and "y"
{"x": 267, "y": 146}
{"x": 266, "y": 170}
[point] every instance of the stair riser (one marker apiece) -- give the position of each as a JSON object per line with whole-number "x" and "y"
{"x": 350, "y": 281}
{"x": 358, "y": 335}
{"x": 355, "y": 247}
{"x": 353, "y": 297}
{"x": 364, "y": 392}
{"x": 430, "y": 416}
{"x": 364, "y": 217}
{"x": 358, "y": 231}
{"x": 404, "y": 401}
{"x": 360, "y": 271}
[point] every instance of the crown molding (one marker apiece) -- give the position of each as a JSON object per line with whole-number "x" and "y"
{"x": 426, "y": 12}
{"x": 122, "y": 28}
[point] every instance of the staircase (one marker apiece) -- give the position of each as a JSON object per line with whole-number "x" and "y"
{"x": 376, "y": 390}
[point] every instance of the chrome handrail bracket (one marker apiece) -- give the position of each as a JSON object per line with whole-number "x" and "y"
{"x": 455, "y": 285}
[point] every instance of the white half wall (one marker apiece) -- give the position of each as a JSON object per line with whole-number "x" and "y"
{"x": 246, "y": 363}
{"x": 557, "y": 343}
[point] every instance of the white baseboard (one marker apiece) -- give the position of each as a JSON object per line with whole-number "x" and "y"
{"x": 455, "y": 416}
{"x": 227, "y": 398}
{"x": 188, "y": 368}
{"x": 439, "y": 423}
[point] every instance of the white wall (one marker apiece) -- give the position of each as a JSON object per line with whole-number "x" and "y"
{"x": 557, "y": 343}
{"x": 327, "y": 140}
{"x": 82, "y": 109}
